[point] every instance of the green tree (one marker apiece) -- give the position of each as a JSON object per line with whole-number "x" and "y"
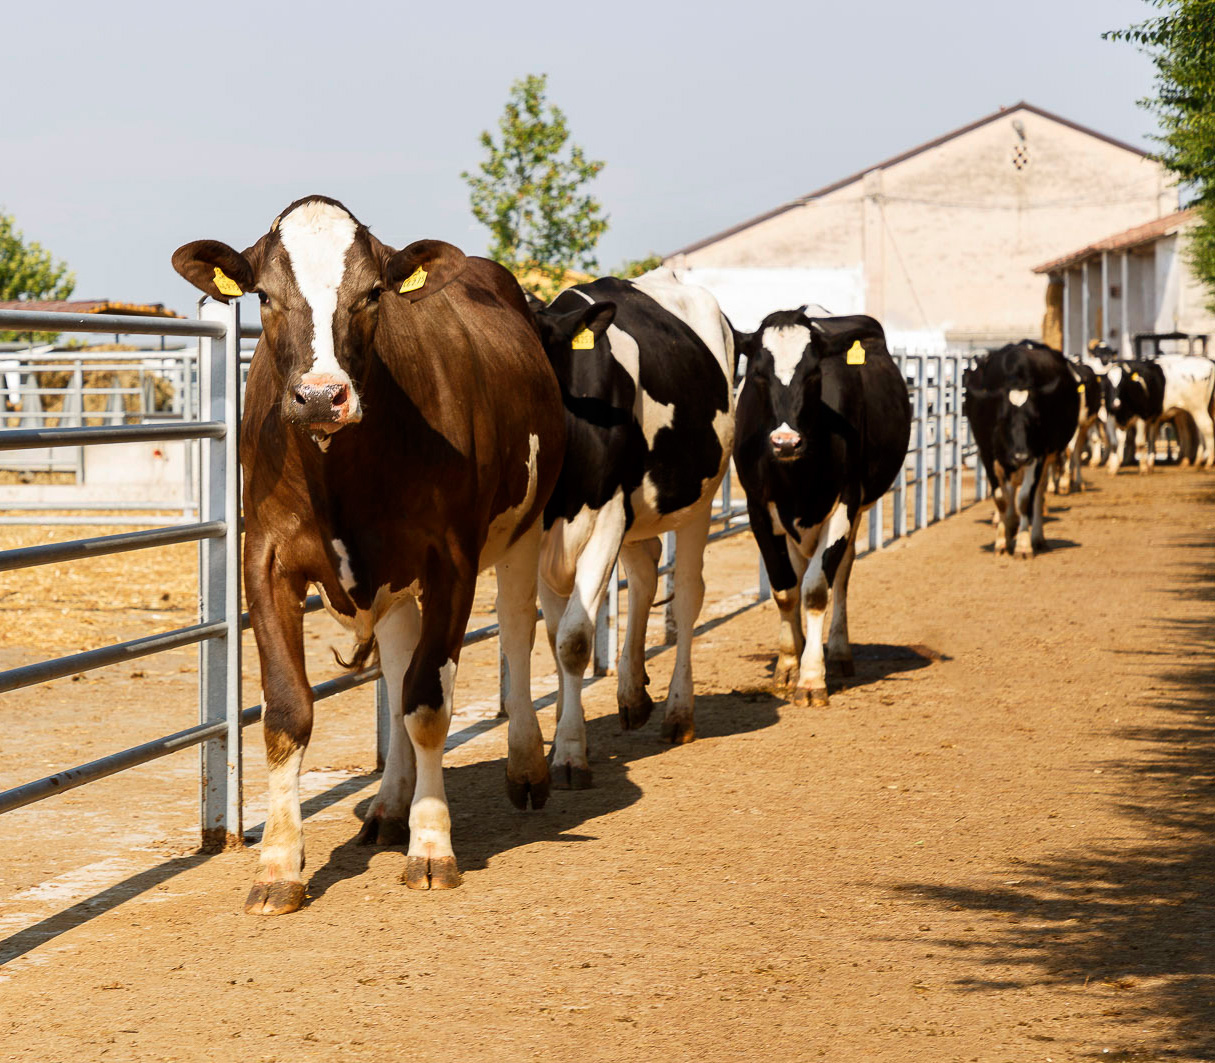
{"x": 635, "y": 267}
{"x": 1181, "y": 44}
{"x": 529, "y": 190}
{"x": 28, "y": 271}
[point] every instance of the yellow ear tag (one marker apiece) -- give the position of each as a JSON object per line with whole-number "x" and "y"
{"x": 584, "y": 341}
{"x": 856, "y": 354}
{"x": 1134, "y": 376}
{"x": 414, "y": 281}
{"x": 225, "y": 284}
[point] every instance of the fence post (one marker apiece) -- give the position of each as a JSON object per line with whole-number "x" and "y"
{"x": 921, "y": 451}
{"x": 382, "y": 723}
{"x": 219, "y": 584}
{"x": 957, "y": 454}
{"x": 938, "y": 449}
{"x": 607, "y": 627}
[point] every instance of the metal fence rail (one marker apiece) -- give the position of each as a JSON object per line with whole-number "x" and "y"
{"x": 941, "y": 453}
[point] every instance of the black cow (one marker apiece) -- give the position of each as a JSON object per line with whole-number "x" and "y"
{"x": 821, "y": 433}
{"x": 645, "y": 369}
{"x": 1066, "y": 471}
{"x": 1134, "y": 396}
{"x": 1023, "y": 406}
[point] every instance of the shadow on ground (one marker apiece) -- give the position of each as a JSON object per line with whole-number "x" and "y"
{"x": 1142, "y": 912}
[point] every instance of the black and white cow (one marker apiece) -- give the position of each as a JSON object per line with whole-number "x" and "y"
{"x": 1066, "y": 473}
{"x": 1176, "y": 387}
{"x": 1023, "y": 406}
{"x": 645, "y": 369}
{"x": 822, "y": 430}
{"x": 1134, "y": 396}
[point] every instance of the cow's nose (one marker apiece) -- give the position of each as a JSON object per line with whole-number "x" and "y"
{"x": 323, "y": 400}
{"x": 785, "y": 441}
{"x": 1020, "y": 456}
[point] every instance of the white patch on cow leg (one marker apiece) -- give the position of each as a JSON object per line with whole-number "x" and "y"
{"x": 839, "y": 648}
{"x": 1206, "y": 433}
{"x": 640, "y": 562}
{"x": 1117, "y": 448}
{"x": 554, "y": 605}
{"x": 812, "y": 683}
{"x": 678, "y": 724}
{"x": 576, "y": 638}
{"x": 397, "y": 637}
{"x": 282, "y": 858}
{"x": 429, "y": 818}
{"x": 790, "y": 640}
{"x": 526, "y": 768}
{"x": 787, "y": 345}
{"x": 316, "y": 237}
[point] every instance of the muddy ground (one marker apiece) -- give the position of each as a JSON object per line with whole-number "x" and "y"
{"x": 994, "y": 845}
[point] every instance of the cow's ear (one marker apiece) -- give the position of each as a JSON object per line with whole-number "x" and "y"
{"x": 581, "y": 329}
{"x": 422, "y": 268}
{"x": 215, "y": 269}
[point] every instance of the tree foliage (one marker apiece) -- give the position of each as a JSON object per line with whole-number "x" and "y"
{"x": 635, "y": 267}
{"x": 1181, "y": 43}
{"x": 28, "y": 271}
{"x": 529, "y": 189}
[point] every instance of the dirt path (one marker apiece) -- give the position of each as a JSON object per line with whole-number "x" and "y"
{"x": 995, "y": 845}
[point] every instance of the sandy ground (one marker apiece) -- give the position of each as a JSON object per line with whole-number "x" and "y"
{"x": 994, "y": 845}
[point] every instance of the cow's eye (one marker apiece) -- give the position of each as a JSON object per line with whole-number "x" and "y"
{"x": 263, "y": 297}
{"x": 373, "y": 296}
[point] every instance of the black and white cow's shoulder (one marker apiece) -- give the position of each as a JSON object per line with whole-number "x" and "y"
{"x": 645, "y": 368}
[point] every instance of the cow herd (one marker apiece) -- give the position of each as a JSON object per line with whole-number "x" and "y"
{"x": 1035, "y": 414}
{"x": 412, "y": 418}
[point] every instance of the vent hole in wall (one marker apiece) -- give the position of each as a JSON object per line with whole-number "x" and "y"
{"x": 1020, "y": 157}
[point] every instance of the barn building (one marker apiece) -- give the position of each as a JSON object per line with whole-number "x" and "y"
{"x": 939, "y": 242}
{"x": 1134, "y": 283}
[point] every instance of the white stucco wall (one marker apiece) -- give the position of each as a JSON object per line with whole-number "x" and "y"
{"x": 947, "y": 239}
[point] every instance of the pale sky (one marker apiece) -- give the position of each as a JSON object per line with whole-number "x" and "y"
{"x": 133, "y": 127}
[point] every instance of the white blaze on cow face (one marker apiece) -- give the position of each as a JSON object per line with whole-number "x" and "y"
{"x": 316, "y": 237}
{"x": 1018, "y": 396}
{"x": 786, "y": 344}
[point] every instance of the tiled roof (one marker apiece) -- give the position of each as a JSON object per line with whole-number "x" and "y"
{"x": 1123, "y": 241}
{"x": 88, "y": 306}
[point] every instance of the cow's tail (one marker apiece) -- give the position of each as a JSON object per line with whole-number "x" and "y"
{"x": 364, "y": 649}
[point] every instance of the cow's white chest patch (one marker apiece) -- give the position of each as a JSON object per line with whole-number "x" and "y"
{"x": 787, "y": 344}
{"x": 316, "y": 237}
{"x": 1018, "y": 396}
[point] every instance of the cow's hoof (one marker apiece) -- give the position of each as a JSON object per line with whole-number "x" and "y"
{"x": 635, "y": 713}
{"x": 571, "y": 777}
{"x": 677, "y": 730}
{"x": 274, "y": 898}
{"x": 431, "y": 873}
{"x": 1024, "y": 553}
{"x": 384, "y": 830}
{"x": 811, "y": 698}
{"x": 1001, "y": 547}
{"x": 521, "y": 791}
{"x": 843, "y": 665}
{"x": 784, "y": 676}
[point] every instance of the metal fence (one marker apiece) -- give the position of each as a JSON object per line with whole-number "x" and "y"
{"x": 939, "y": 457}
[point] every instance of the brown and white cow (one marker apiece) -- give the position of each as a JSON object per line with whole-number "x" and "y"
{"x": 402, "y": 431}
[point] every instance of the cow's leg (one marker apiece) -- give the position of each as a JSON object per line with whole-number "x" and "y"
{"x": 526, "y": 768}
{"x": 1037, "y": 538}
{"x": 776, "y": 550}
{"x": 839, "y": 648}
{"x": 641, "y": 567}
{"x": 276, "y": 612}
{"x": 1006, "y": 535}
{"x": 1118, "y": 435}
{"x": 554, "y": 604}
{"x": 820, "y": 572}
{"x": 1205, "y": 424}
{"x": 576, "y": 639}
{"x": 789, "y": 603}
{"x": 447, "y": 601}
{"x": 1145, "y": 440}
{"x": 678, "y": 723}
{"x": 1033, "y": 475}
{"x": 387, "y": 820}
